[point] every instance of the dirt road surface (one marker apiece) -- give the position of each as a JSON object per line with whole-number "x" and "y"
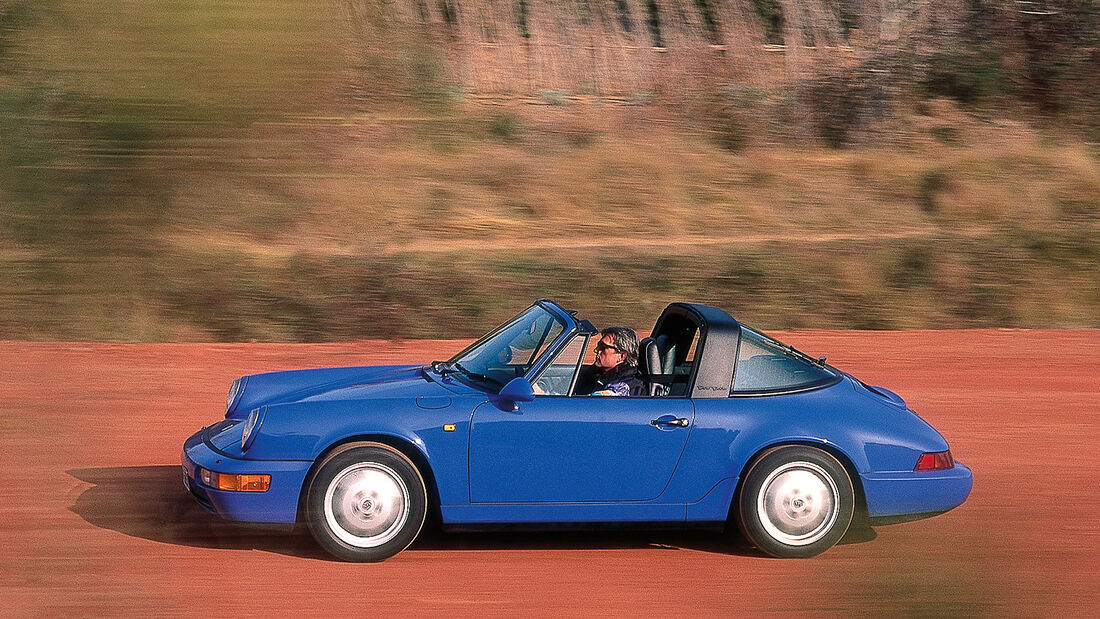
{"x": 94, "y": 519}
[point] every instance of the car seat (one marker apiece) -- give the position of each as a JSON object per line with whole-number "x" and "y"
{"x": 655, "y": 360}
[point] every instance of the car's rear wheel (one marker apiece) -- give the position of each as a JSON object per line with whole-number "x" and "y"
{"x": 366, "y": 503}
{"x": 796, "y": 501}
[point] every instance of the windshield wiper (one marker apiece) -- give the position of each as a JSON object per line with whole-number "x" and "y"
{"x": 820, "y": 361}
{"x": 476, "y": 376}
{"x": 442, "y": 368}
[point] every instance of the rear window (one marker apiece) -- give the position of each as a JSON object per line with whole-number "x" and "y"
{"x": 764, "y": 365}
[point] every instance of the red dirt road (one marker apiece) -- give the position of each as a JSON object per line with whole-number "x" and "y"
{"x": 94, "y": 519}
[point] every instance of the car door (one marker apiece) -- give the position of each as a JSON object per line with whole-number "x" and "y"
{"x": 560, "y": 449}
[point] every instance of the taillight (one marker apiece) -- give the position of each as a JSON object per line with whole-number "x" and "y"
{"x": 935, "y": 461}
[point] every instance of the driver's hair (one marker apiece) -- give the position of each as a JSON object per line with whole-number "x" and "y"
{"x": 626, "y": 340}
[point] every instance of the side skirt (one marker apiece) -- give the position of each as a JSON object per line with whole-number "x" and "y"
{"x": 477, "y": 527}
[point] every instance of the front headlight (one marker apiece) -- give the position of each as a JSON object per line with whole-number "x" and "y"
{"x": 251, "y": 424}
{"x": 232, "y": 397}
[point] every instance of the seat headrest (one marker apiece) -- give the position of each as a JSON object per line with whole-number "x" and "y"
{"x": 666, "y": 348}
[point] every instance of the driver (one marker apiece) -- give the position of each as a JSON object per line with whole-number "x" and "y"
{"x": 615, "y": 371}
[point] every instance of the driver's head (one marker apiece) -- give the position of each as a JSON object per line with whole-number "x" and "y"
{"x": 617, "y": 345}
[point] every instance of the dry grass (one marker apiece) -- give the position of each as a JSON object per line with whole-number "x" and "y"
{"x": 445, "y": 227}
{"x": 658, "y": 186}
{"x": 210, "y": 172}
{"x": 462, "y": 230}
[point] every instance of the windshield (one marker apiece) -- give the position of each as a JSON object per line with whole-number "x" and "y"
{"x": 511, "y": 350}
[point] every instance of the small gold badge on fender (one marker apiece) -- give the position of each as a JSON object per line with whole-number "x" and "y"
{"x": 448, "y": 427}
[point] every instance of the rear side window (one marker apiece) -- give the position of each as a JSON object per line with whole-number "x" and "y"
{"x": 764, "y": 364}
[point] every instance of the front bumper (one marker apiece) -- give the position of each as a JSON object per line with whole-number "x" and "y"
{"x": 278, "y": 505}
{"x": 916, "y": 492}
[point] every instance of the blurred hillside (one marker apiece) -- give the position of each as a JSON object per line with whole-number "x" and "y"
{"x": 339, "y": 169}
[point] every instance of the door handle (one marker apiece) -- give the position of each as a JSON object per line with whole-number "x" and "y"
{"x": 663, "y": 421}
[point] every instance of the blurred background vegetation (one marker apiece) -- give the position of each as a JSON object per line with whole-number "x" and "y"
{"x": 337, "y": 169}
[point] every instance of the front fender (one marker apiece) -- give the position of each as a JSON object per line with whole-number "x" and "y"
{"x": 302, "y": 430}
{"x": 305, "y": 430}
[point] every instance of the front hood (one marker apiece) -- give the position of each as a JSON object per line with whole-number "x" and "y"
{"x": 332, "y": 384}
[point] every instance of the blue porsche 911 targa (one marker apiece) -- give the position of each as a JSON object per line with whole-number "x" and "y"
{"x": 732, "y": 426}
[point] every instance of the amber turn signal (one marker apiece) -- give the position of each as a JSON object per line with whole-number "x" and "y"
{"x": 235, "y": 483}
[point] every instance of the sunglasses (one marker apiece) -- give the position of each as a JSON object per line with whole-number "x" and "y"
{"x": 601, "y": 346}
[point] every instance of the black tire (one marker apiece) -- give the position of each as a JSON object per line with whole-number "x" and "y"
{"x": 795, "y": 502}
{"x": 366, "y": 503}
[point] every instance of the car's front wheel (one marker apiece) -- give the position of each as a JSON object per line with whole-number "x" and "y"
{"x": 796, "y": 501}
{"x": 366, "y": 503}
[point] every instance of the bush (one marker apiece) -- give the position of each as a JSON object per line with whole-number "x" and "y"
{"x": 771, "y": 14}
{"x": 847, "y": 102}
{"x": 931, "y": 183}
{"x": 505, "y": 127}
{"x": 911, "y": 269}
{"x": 967, "y": 77}
{"x": 732, "y": 115}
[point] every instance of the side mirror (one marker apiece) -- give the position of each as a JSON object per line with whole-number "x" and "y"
{"x": 517, "y": 390}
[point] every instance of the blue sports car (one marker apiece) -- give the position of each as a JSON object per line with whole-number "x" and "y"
{"x": 732, "y": 426}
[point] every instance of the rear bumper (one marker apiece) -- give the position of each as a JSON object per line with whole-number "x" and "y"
{"x": 278, "y": 505}
{"x": 917, "y": 494}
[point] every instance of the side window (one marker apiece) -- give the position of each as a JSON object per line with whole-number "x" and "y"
{"x": 557, "y": 378}
{"x": 762, "y": 365}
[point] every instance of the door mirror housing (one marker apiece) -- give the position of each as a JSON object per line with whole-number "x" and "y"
{"x": 517, "y": 390}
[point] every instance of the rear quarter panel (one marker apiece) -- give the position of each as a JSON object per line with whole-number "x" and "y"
{"x": 873, "y": 435}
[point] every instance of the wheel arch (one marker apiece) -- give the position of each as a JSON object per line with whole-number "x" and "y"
{"x": 401, "y": 445}
{"x": 829, "y": 448}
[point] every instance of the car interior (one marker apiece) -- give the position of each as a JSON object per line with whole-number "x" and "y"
{"x": 665, "y": 359}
